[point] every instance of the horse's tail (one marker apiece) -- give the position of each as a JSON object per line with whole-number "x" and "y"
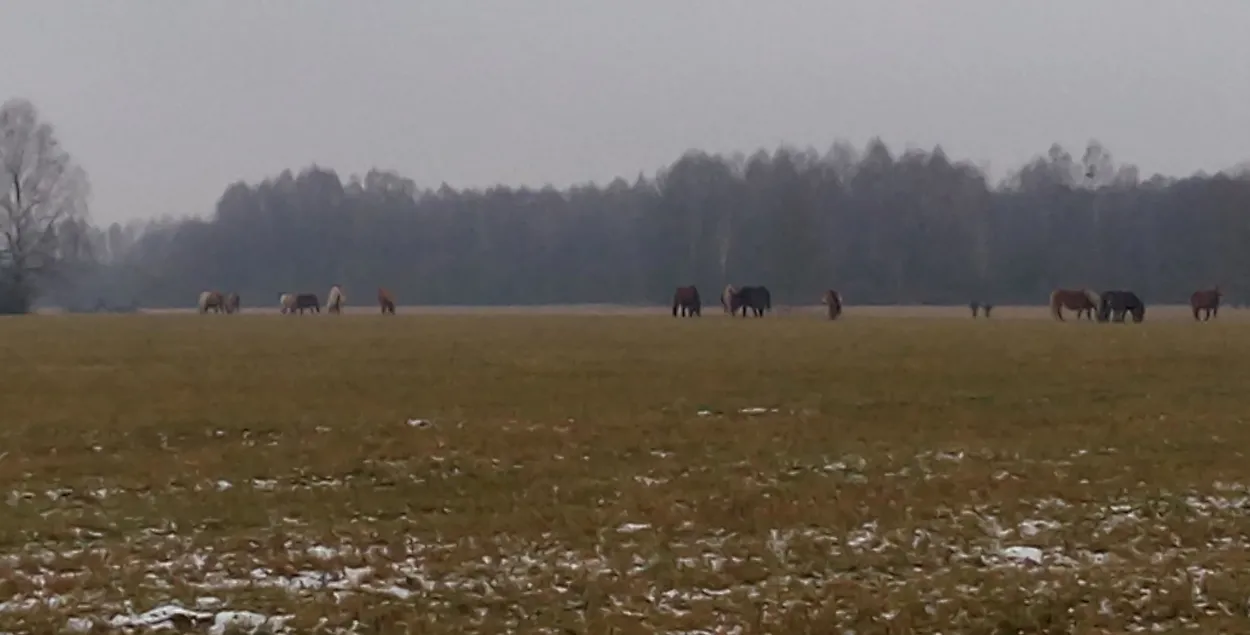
{"x": 1054, "y": 305}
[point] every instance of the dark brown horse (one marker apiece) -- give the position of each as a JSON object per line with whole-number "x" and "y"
{"x": 687, "y": 300}
{"x": 1206, "y": 300}
{"x": 1113, "y": 305}
{"x": 232, "y": 303}
{"x": 386, "y": 301}
{"x": 978, "y": 307}
{"x": 833, "y": 300}
{"x": 307, "y": 301}
{"x": 1079, "y": 300}
{"x": 758, "y": 299}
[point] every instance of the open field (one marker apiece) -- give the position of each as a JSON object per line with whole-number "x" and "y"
{"x": 1154, "y": 313}
{"x": 453, "y": 473}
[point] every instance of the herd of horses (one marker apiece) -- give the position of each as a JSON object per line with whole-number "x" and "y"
{"x": 686, "y": 302}
{"x": 1113, "y": 306}
{"x": 292, "y": 303}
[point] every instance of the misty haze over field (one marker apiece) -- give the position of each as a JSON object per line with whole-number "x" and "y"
{"x": 166, "y": 105}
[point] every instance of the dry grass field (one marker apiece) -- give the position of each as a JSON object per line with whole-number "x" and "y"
{"x": 597, "y": 473}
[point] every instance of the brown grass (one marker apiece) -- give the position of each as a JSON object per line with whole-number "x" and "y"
{"x": 584, "y": 473}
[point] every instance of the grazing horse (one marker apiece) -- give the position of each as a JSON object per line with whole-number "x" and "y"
{"x": 1206, "y": 300}
{"x": 687, "y": 299}
{"x": 335, "y": 300}
{"x": 307, "y": 301}
{"x": 211, "y": 300}
{"x": 287, "y": 302}
{"x": 1079, "y": 300}
{"x": 756, "y": 298}
{"x": 834, "y": 301}
{"x": 232, "y": 303}
{"x": 1119, "y": 303}
{"x": 386, "y": 301}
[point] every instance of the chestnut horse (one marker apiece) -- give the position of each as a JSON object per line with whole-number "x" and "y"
{"x": 1206, "y": 300}
{"x": 386, "y": 301}
{"x": 211, "y": 300}
{"x": 1079, "y": 300}
{"x": 833, "y": 300}
{"x": 687, "y": 300}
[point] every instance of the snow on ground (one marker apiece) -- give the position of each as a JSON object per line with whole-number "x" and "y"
{"x": 403, "y": 570}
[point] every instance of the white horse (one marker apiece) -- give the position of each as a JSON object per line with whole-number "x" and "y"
{"x": 287, "y": 302}
{"x": 335, "y": 300}
{"x": 726, "y": 296}
{"x": 211, "y": 300}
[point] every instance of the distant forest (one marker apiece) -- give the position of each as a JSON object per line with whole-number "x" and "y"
{"x": 880, "y": 227}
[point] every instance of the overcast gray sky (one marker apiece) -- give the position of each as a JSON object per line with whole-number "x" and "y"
{"x": 165, "y": 103}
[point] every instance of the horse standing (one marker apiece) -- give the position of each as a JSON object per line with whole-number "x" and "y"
{"x": 1119, "y": 303}
{"x": 1206, "y": 300}
{"x": 687, "y": 300}
{"x": 232, "y": 303}
{"x": 292, "y": 302}
{"x": 307, "y": 301}
{"x": 833, "y": 300}
{"x": 758, "y": 299}
{"x": 335, "y": 300}
{"x": 386, "y": 301}
{"x": 979, "y": 307}
{"x": 726, "y": 297}
{"x": 1079, "y": 300}
{"x": 211, "y": 300}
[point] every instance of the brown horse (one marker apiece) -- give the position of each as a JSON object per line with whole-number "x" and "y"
{"x": 232, "y": 303}
{"x": 1206, "y": 300}
{"x": 833, "y": 300}
{"x": 1079, "y": 300}
{"x": 687, "y": 299}
{"x": 386, "y": 301}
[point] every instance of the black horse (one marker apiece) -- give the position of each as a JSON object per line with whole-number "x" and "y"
{"x": 980, "y": 306}
{"x": 756, "y": 298}
{"x": 687, "y": 299}
{"x": 1119, "y": 303}
{"x": 307, "y": 301}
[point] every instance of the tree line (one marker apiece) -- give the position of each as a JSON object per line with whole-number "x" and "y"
{"x": 880, "y": 226}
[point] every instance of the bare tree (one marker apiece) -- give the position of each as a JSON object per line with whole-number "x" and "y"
{"x": 43, "y": 194}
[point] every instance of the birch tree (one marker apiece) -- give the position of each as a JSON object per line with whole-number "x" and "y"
{"x": 43, "y": 195}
